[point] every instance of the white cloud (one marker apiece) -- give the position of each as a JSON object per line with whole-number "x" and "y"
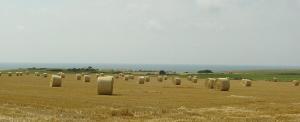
{"x": 20, "y": 27}
{"x": 154, "y": 24}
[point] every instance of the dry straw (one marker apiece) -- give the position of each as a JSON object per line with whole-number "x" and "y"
{"x": 222, "y": 84}
{"x": 37, "y": 74}
{"x": 141, "y": 80}
{"x": 86, "y": 78}
{"x": 56, "y": 81}
{"x": 105, "y": 85}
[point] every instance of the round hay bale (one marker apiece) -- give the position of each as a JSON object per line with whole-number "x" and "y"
{"x": 141, "y": 80}
{"x": 116, "y": 76}
{"x": 177, "y": 81}
{"x": 222, "y": 84}
{"x": 296, "y": 82}
{"x": 126, "y": 77}
{"x": 165, "y": 77}
{"x": 17, "y": 73}
{"x": 0, "y": 73}
{"x": 121, "y": 75}
{"x": 45, "y": 75}
{"x": 147, "y": 78}
{"x": 78, "y": 76}
{"x": 9, "y": 73}
{"x": 86, "y": 78}
{"x": 246, "y": 82}
{"x": 189, "y": 78}
{"x": 20, "y": 73}
{"x": 56, "y": 81}
{"x": 101, "y": 74}
{"x": 210, "y": 83}
{"x": 160, "y": 78}
{"x": 27, "y": 73}
{"x": 37, "y": 74}
{"x": 97, "y": 75}
{"x": 275, "y": 79}
{"x": 105, "y": 85}
{"x": 195, "y": 79}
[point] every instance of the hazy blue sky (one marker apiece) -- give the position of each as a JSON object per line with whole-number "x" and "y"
{"x": 232, "y": 32}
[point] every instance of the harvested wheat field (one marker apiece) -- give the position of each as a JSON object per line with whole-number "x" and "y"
{"x": 30, "y": 98}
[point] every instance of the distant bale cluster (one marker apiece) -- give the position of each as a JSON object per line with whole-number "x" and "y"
{"x": 19, "y": 73}
{"x": 36, "y": 74}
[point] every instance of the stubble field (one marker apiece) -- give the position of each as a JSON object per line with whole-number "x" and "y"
{"x": 29, "y": 98}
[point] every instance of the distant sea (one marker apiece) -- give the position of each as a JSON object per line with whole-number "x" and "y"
{"x": 167, "y": 67}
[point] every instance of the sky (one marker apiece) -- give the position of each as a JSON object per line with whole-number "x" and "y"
{"x": 222, "y": 32}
